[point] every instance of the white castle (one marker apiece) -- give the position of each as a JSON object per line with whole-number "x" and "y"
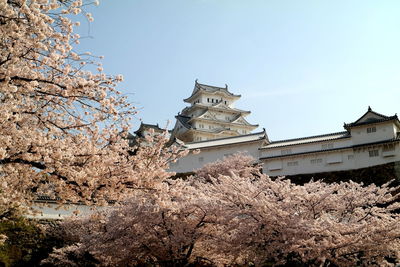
{"x": 213, "y": 125}
{"x": 211, "y": 115}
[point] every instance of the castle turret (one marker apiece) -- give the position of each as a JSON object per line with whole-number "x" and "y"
{"x": 211, "y": 115}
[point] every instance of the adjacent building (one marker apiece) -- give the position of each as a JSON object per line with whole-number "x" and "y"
{"x": 371, "y": 140}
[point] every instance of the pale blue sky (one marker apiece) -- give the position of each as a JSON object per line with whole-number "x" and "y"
{"x": 302, "y": 67}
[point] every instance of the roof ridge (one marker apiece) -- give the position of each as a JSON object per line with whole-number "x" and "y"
{"x": 332, "y": 149}
{"x": 308, "y": 137}
{"x": 213, "y": 86}
{"x": 379, "y": 114}
{"x": 149, "y": 124}
{"x": 356, "y": 123}
{"x": 223, "y": 122}
{"x": 228, "y": 108}
{"x": 372, "y": 111}
{"x": 224, "y": 138}
{"x": 180, "y": 115}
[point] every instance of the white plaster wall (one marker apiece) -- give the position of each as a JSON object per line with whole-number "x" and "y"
{"x": 203, "y": 99}
{"x": 360, "y": 159}
{"x": 306, "y": 166}
{"x": 54, "y": 211}
{"x": 384, "y": 131}
{"x": 192, "y": 162}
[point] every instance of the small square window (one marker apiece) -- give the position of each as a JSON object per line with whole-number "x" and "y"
{"x": 371, "y": 129}
{"x": 316, "y": 161}
{"x": 388, "y": 147}
{"x": 373, "y": 153}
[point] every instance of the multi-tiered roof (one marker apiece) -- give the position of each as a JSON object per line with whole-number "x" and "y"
{"x": 211, "y": 115}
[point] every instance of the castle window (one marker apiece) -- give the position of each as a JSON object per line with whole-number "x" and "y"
{"x": 388, "y": 147}
{"x": 373, "y": 153}
{"x": 208, "y": 99}
{"x": 350, "y": 157}
{"x": 371, "y": 129}
{"x": 293, "y": 163}
{"x": 316, "y": 161}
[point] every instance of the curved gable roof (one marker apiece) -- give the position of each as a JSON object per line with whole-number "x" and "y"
{"x": 370, "y": 117}
{"x": 240, "y": 139}
{"x": 198, "y": 87}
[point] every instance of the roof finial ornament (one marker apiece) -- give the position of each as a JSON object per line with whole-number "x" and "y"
{"x": 196, "y": 81}
{"x": 369, "y": 108}
{"x": 226, "y": 86}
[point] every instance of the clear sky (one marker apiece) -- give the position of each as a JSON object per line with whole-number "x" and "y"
{"x": 302, "y": 67}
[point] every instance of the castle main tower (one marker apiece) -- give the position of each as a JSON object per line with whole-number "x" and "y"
{"x": 211, "y": 115}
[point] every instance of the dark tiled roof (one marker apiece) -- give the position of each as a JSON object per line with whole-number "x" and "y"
{"x": 382, "y": 118}
{"x": 184, "y": 120}
{"x": 144, "y": 126}
{"x": 210, "y": 88}
{"x": 349, "y": 125}
{"x": 214, "y": 107}
{"x": 225, "y": 122}
{"x": 233, "y": 140}
{"x": 231, "y": 137}
{"x": 311, "y": 139}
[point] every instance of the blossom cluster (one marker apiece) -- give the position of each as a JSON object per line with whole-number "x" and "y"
{"x": 63, "y": 128}
{"x": 242, "y": 218}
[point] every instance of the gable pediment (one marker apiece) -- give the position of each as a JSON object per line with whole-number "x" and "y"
{"x": 241, "y": 120}
{"x": 221, "y": 105}
{"x": 208, "y": 115}
{"x": 370, "y": 117}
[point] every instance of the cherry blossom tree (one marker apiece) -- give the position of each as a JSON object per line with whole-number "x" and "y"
{"x": 164, "y": 228}
{"x": 342, "y": 224}
{"x": 240, "y": 164}
{"x": 241, "y": 218}
{"x": 63, "y": 127}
